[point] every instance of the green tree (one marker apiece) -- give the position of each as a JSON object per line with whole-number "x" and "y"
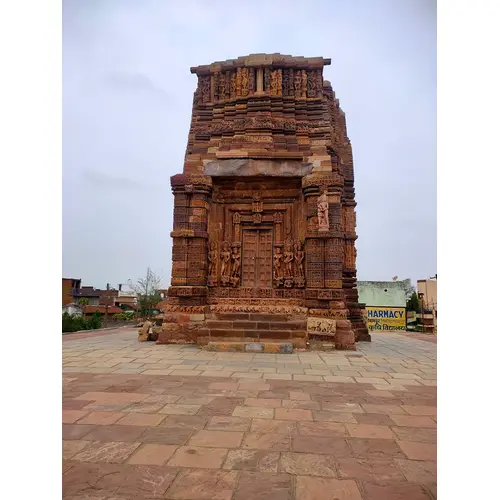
{"x": 147, "y": 293}
{"x": 412, "y": 304}
{"x": 84, "y": 301}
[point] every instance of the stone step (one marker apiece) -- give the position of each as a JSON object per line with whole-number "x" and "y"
{"x": 255, "y": 325}
{"x": 258, "y": 347}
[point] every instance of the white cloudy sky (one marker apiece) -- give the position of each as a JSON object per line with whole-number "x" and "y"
{"x": 127, "y": 96}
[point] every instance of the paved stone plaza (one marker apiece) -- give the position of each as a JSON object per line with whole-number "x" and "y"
{"x": 144, "y": 421}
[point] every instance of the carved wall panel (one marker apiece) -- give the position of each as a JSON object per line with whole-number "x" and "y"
{"x": 321, "y": 326}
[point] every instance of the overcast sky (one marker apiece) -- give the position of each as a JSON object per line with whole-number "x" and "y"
{"x": 127, "y": 97}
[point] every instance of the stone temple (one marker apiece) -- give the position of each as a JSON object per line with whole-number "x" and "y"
{"x": 264, "y": 212}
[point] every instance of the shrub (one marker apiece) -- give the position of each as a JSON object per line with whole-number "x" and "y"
{"x": 76, "y": 323}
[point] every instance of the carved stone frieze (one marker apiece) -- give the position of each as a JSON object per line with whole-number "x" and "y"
{"x": 256, "y": 123}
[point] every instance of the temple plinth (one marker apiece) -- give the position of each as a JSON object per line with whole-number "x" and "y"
{"x": 264, "y": 212}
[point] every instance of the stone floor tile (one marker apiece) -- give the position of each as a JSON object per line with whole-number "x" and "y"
{"x": 124, "y": 433}
{"x": 254, "y": 385}
{"x": 304, "y": 405}
{"x": 203, "y": 485}
{"x": 425, "y": 435}
{"x": 196, "y": 400}
{"x": 185, "y": 373}
{"x": 200, "y": 458}
{"x": 113, "y": 397}
{"x": 336, "y": 446}
{"x": 71, "y": 416}
{"x": 430, "y": 411}
{"x": 413, "y": 421}
{"x": 252, "y": 460}
{"x": 212, "y": 373}
{"x": 293, "y": 414}
{"x": 369, "y": 469}
{"x": 177, "y": 409}
{"x": 216, "y": 439}
{"x": 392, "y": 490}
{"x": 322, "y": 429}
{"x": 266, "y": 441}
{"x": 428, "y": 382}
{"x": 385, "y": 409}
{"x": 71, "y": 448}
{"x": 213, "y": 368}
{"x": 346, "y": 373}
{"x": 308, "y": 378}
{"x": 389, "y": 387}
{"x": 253, "y": 412}
{"x": 299, "y": 396}
{"x": 263, "y": 402}
{"x": 152, "y": 454}
{"x": 308, "y": 464}
{"x": 371, "y": 380}
{"x": 419, "y": 451}
{"x": 83, "y": 478}
{"x": 185, "y": 422}
{"x": 277, "y": 376}
{"x": 320, "y": 488}
{"x": 381, "y": 394}
{"x": 144, "y": 407}
{"x": 112, "y": 408}
{"x": 141, "y": 419}
{"x": 246, "y": 375}
{"x": 375, "y": 448}
{"x": 112, "y": 452}
{"x": 101, "y": 418}
{"x": 324, "y": 372}
{"x": 418, "y": 471}
{"x": 342, "y": 407}
{"x": 400, "y": 375}
{"x": 339, "y": 379}
{"x": 144, "y": 481}
{"x": 231, "y": 386}
{"x": 263, "y": 486}
{"x": 229, "y": 424}
{"x": 266, "y": 426}
{"x": 67, "y": 464}
{"x": 409, "y": 382}
{"x": 331, "y": 416}
{"x": 75, "y": 431}
{"x": 166, "y": 435}
{"x": 373, "y": 419}
{"x": 375, "y": 374}
{"x": 370, "y": 431}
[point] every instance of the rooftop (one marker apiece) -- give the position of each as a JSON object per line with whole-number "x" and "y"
{"x": 262, "y": 60}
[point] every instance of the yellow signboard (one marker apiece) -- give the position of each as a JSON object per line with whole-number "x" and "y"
{"x": 385, "y": 318}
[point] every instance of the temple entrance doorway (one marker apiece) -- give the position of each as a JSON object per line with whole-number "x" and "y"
{"x": 257, "y": 257}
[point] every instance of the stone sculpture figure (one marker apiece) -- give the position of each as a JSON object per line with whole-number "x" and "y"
{"x": 288, "y": 259}
{"x": 236, "y": 258}
{"x": 226, "y": 261}
{"x": 299, "y": 258}
{"x": 212, "y": 259}
{"x": 323, "y": 222}
{"x": 297, "y": 83}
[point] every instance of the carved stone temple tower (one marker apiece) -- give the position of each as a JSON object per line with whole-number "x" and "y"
{"x": 264, "y": 219}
